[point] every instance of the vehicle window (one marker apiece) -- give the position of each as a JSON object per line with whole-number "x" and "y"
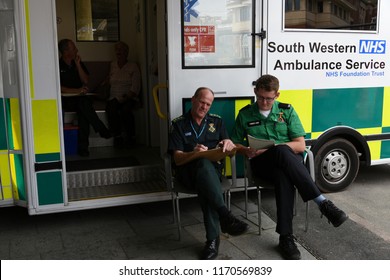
{"x": 355, "y": 15}
{"x": 217, "y": 33}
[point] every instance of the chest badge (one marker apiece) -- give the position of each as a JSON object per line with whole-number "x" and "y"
{"x": 253, "y": 123}
{"x": 280, "y": 118}
{"x": 211, "y": 127}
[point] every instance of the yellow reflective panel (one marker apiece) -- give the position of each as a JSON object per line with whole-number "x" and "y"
{"x": 239, "y": 104}
{"x": 386, "y": 106}
{"x": 15, "y": 124}
{"x": 375, "y": 146}
{"x": 14, "y": 180}
{"x": 302, "y": 101}
{"x": 5, "y": 175}
{"x": 45, "y": 126}
{"x": 375, "y": 149}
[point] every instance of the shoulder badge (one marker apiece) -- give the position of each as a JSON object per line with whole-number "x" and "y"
{"x": 177, "y": 119}
{"x": 284, "y": 106}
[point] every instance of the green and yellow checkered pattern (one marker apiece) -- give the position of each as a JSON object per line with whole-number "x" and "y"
{"x": 363, "y": 109}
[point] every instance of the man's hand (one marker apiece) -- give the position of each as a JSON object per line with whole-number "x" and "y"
{"x": 77, "y": 60}
{"x": 84, "y": 90}
{"x": 251, "y": 153}
{"x": 227, "y": 145}
{"x": 200, "y": 148}
{"x": 248, "y": 151}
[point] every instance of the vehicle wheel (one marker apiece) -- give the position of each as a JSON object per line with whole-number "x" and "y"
{"x": 336, "y": 165}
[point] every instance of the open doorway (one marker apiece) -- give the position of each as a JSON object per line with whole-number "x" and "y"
{"x": 137, "y": 22}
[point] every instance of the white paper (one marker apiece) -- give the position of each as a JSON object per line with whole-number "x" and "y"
{"x": 258, "y": 144}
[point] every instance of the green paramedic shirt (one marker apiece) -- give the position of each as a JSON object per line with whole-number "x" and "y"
{"x": 281, "y": 125}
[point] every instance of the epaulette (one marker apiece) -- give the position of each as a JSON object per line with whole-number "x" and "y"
{"x": 216, "y": 116}
{"x": 284, "y": 106}
{"x": 178, "y": 119}
{"x": 246, "y": 107}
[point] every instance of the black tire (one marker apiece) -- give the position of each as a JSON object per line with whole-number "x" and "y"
{"x": 336, "y": 165}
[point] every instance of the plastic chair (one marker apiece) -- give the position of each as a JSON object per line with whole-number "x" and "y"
{"x": 178, "y": 190}
{"x": 252, "y": 182}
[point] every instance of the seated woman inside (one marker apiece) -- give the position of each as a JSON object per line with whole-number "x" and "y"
{"x": 125, "y": 84}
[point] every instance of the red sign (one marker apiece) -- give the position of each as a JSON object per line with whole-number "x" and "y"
{"x": 199, "y": 39}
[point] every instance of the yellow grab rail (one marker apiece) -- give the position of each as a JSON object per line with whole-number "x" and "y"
{"x": 156, "y": 101}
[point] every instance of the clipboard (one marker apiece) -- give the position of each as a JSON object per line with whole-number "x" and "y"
{"x": 258, "y": 144}
{"x": 213, "y": 155}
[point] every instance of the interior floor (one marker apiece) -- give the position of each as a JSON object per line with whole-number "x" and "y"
{"x": 144, "y": 154}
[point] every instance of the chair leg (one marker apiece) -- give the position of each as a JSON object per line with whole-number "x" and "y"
{"x": 228, "y": 199}
{"x": 178, "y": 216}
{"x": 173, "y": 197}
{"x": 307, "y": 216}
{"x": 246, "y": 199}
{"x": 295, "y": 202}
{"x": 259, "y": 208}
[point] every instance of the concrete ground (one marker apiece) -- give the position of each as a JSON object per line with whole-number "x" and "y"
{"x": 138, "y": 232}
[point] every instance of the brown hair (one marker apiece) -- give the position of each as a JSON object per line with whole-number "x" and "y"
{"x": 267, "y": 83}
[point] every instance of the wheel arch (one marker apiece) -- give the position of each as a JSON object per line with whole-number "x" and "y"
{"x": 347, "y": 133}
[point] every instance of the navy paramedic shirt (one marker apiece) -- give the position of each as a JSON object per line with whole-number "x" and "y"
{"x": 186, "y": 134}
{"x": 69, "y": 76}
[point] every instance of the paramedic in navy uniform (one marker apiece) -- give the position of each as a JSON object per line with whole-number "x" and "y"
{"x": 197, "y": 130}
{"x": 74, "y": 78}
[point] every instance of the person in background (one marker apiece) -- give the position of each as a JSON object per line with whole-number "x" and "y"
{"x": 125, "y": 84}
{"x": 281, "y": 164}
{"x": 198, "y": 131}
{"x": 74, "y": 78}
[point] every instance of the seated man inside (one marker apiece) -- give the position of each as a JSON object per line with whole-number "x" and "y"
{"x": 125, "y": 84}
{"x": 197, "y": 131}
{"x": 74, "y": 77}
{"x": 281, "y": 164}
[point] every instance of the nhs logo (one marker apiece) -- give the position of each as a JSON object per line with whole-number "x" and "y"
{"x": 372, "y": 46}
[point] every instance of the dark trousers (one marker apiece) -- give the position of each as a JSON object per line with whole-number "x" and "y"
{"x": 281, "y": 166}
{"x": 120, "y": 115}
{"x": 86, "y": 115}
{"x": 204, "y": 176}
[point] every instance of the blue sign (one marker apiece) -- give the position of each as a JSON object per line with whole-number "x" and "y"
{"x": 372, "y": 46}
{"x": 189, "y": 11}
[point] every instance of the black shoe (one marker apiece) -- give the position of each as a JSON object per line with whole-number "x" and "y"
{"x": 105, "y": 133}
{"x": 83, "y": 152}
{"x": 334, "y": 214}
{"x": 232, "y": 225}
{"x": 210, "y": 250}
{"x": 288, "y": 248}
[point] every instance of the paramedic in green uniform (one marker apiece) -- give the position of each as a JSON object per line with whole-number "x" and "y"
{"x": 281, "y": 164}
{"x": 198, "y": 131}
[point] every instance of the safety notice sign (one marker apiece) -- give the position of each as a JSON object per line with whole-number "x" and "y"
{"x": 199, "y": 39}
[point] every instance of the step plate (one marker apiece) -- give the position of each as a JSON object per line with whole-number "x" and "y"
{"x": 105, "y": 177}
{"x": 103, "y": 183}
{"x": 96, "y": 192}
